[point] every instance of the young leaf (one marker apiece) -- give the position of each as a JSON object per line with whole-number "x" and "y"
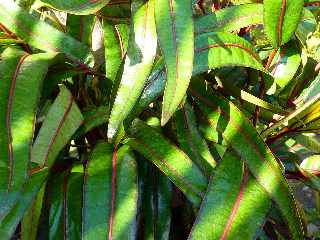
{"x": 63, "y": 119}
{"x": 169, "y": 159}
{"x": 281, "y": 18}
{"x": 77, "y": 7}
{"x": 138, "y": 64}
{"x": 41, "y": 35}
{"x": 110, "y": 194}
{"x": 234, "y": 206}
{"x": 176, "y": 38}
{"x": 247, "y": 143}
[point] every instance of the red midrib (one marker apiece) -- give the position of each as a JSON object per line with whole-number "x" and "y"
{"x": 8, "y": 116}
{"x": 65, "y": 115}
{"x": 113, "y": 190}
{"x": 236, "y": 205}
{"x": 280, "y": 21}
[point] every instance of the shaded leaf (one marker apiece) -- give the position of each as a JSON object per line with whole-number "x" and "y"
{"x": 169, "y": 159}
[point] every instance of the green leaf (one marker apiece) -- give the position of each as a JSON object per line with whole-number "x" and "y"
{"x": 281, "y": 19}
{"x": 30, "y": 221}
{"x": 115, "y": 44}
{"x": 215, "y": 50}
{"x": 21, "y": 77}
{"x": 77, "y": 7}
{"x": 117, "y": 11}
{"x": 176, "y": 38}
{"x": 81, "y": 28}
{"x": 191, "y": 141}
{"x": 41, "y": 35}
{"x": 285, "y": 64}
{"x": 247, "y": 143}
{"x": 169, "y": 159}
{"x": 230, "y": 19}
{"x": 138, "y": 64}
{"x": 62, "y": 120}
{"x": 30, "y": 189}
{"x": 306, "y": 26}
{"x": 235, "y": 205}
{"x": 110, "y": 194}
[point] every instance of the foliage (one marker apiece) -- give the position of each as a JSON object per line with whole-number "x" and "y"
{"x": 159, "y": 119}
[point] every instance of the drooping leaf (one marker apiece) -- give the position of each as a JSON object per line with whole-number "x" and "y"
{"x": 191, "y": 141}
{"x": 230, "y": 19}
{"x": 138, "y": 63}
{"x": 235, "y": 204}
{"x": 77, "y": 7}
{"x": 110, "y": 194}
{"x": 63, "y": 119}
{"x": 41, "y": 35}
{"x": 169, "y": 159}
{"x": 214, "y": 50}
{"x": 176, "y": 38}
{"x": 21, "y": 77}
{"x": 247, "y": 143}
{"x": 281, "y": 19}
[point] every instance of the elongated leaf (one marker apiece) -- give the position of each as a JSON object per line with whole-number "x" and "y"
{"x": 176, "y": 38}
{"x": 29, "y": 192}
{"x": 191, "y": 141}
{"x": 230, "y": 19}
{"x": 117, "y": 11}
{"x": 63, "y": 119}
{"x": 30, "y": 221}
{"x": 247, "y": 143}
{"x": 138, "y": 64}
{"x": 21, "y": 77}
{"x": 65, "y": 204}
{"x": 281, "y": 19}
{"x": 77, "y": 7}
{"x": 41, "y": 35}
{"x": 235, "y": 205}
{"x": 115, "y": 43}
{"x": 110, "y": 194}
{"x": 169, "y": 159}
{"x": 306, "y": 26}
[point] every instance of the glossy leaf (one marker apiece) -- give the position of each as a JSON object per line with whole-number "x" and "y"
{"x": 138, "y": 64}
{"x": 247, "y": 143}
{"x": 176, "y": 38}
{"x": 41, "y": 35}
{"x": 78, "y": 7}
{"x": 63, "y": 119}
{"x": 235, "y": 204}
{"x": 281, "y": 19}
{"x": 169, "y": 159}
{"x": 110, "y": 194}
